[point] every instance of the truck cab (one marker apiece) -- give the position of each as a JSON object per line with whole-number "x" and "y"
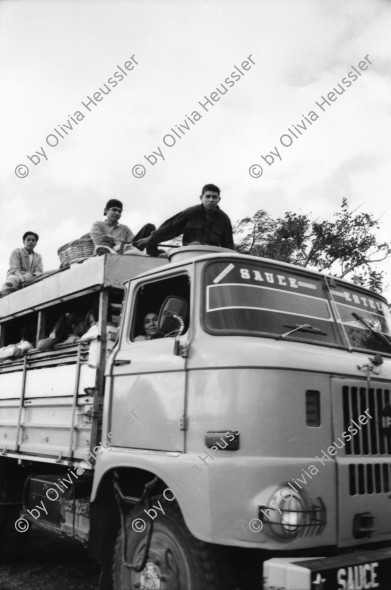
{"x": 245, "y": 446}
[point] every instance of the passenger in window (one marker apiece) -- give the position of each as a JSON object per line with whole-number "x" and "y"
{"x": 76, "y": 327}
{"x": 21, "y": 348}
{"x": 91, "y": 328}
{"x": 150, "y": 327}
{"x": 57, "y": 335}
{"x": 203, "y": 224}
{"x": 28, "y": 336}
{"x": 109, "y": 235}
{"x": 25, "y": 265}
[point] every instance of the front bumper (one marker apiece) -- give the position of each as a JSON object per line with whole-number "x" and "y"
{"x": 349, "y": 571}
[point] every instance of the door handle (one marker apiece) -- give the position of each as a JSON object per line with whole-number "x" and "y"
{"x": 120, "y": 362}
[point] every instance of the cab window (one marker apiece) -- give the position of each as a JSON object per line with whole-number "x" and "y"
{"x": 149, "y": 300}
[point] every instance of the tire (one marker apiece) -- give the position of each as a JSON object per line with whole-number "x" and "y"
{"x": 177, "y": 560}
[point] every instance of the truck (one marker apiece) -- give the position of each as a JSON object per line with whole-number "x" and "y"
{"x": 245, "y": 447}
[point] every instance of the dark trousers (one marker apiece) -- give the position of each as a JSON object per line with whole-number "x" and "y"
{"x": 145, "y": 232}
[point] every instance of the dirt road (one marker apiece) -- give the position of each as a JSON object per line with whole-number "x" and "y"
{"x": 50, "y": 563}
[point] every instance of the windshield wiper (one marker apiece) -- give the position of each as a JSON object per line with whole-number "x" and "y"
{"x": 302, "y": 328}
{"x": 378, "y": 335}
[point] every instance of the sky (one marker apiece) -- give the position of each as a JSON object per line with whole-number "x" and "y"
{"x": 61, "y": 160}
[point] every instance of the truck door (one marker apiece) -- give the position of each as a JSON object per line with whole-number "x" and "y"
{"x": 147, "y": 377}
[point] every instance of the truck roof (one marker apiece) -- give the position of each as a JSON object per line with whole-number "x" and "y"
{"x": 91, "y": 274}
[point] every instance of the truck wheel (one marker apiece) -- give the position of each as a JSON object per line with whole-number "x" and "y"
{"x": 177, "y": 560}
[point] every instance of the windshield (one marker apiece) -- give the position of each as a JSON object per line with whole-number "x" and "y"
{"x": 365, "y": 319}
{"x": 259, "y": 299}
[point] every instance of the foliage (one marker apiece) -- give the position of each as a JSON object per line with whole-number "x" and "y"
{"x": 346, "y": 247}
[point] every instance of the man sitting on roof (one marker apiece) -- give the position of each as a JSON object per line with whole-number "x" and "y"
{"x": 109, "y": 235}
{"x": 25, "y": 265}
{"x": 201, "y": 224}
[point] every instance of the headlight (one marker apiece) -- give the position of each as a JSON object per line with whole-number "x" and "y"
{"x": 289, "y": 515}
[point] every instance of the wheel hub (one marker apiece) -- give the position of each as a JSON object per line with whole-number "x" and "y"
{"x": 150, "y": 577}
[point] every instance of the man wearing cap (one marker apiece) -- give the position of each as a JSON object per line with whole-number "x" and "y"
{"x": 25, "y": 264}
{"x": 203, "y": 224}
{"x": 109, "y": 235}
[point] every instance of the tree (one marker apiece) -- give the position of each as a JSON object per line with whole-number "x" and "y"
{"x": 346, "y": 247}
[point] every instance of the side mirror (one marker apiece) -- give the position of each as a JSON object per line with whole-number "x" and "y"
{"x": 171, "y": 316}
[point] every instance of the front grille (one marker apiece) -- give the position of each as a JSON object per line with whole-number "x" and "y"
{"x": 367, "y": 478}
{"x": 371, "y": 439}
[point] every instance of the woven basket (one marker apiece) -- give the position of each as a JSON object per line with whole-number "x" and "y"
{"x": 76, "y": 250}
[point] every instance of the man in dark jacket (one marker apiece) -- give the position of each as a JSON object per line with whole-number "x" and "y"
{"x": 203, "y": 224}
